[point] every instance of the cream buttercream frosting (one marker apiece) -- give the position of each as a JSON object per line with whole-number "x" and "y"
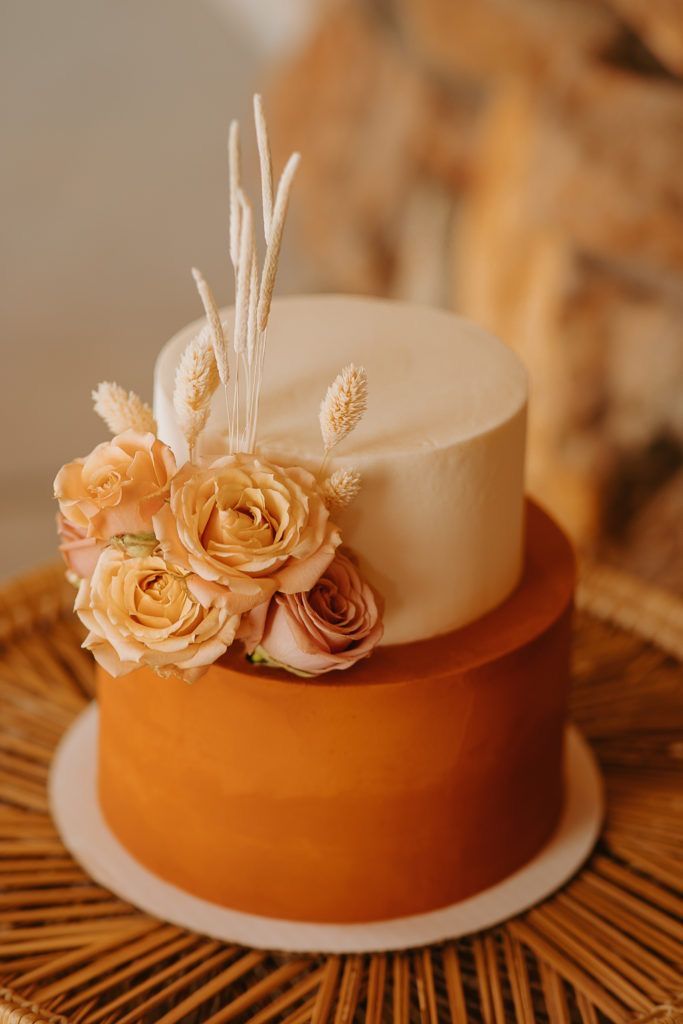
{"x": 438, "y": 523}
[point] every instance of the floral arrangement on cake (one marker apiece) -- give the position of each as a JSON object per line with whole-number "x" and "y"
{"x": 174, "y": 564}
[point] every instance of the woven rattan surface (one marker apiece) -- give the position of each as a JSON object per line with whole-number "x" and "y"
{"x": 609, "y": 946}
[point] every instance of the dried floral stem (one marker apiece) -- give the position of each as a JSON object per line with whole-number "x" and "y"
{"x": 261, "y": 289}
{"x": 265, "y": 291}
{"x": 275, "y": 241}
{"x": 341, "y": 488}
{"x": 265, "y": 161}
{"x": 235, "y": 170}
{"x": 342, "y": 407}
{"x": 122, "y": 410}
{"x": 257, "y": 378}
{"x": 196, "y": 380}
{"x": 252, "y": 327}
{"x": 252, "y": 351}
{"x": 243, "y": 303}
{"x": 253, "y": 291}
{"x": 242, "y": 298}
{"x": 220, "y": 346}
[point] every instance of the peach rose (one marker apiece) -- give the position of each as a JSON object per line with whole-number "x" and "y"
{"x": 333, "y": 626}
{"x": 118, "y": 487}
{"x": 247, "y": 528}
{"x": 141, "y": 611}
{"x": 79, "y": 551}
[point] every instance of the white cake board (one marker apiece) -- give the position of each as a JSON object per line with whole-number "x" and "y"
{"x": 77, "y": 814}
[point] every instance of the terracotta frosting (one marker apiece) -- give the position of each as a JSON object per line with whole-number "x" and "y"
{"x": 411, "y": 781}
{"x": 438, "y": 520}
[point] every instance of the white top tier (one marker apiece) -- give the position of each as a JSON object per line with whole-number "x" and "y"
{"x": 438, "y": 524}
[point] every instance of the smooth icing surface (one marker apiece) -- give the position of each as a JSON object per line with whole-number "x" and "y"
{"x": 418, "y": 778}
{"x": 439, "y": 521}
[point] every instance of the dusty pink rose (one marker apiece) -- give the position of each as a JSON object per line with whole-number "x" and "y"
{"x": 118, "y": 487}
{"x": 247, "y": 528}
{"x": 141, "y": 611}
{"x": 334, "y": 625}
{"x": 79, "y": 551}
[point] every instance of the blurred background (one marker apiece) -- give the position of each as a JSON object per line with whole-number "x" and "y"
{"x": 518, "y": 161}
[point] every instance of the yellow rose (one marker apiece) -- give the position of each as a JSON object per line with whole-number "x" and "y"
{"x": 247, "y": 528}
{"x": 118, "y": 487}
{"x": 141, "y": 611}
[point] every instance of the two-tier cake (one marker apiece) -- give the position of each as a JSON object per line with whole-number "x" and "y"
{"x": 334, "y": 672}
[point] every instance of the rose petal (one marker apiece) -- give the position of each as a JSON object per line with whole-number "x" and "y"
{"x": 252, "y": 627}
{"x": 302, "y": 630}
{"x": 301, "y": 575}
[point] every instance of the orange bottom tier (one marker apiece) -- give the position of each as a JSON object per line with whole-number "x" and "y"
{"x": 415, "y": 779}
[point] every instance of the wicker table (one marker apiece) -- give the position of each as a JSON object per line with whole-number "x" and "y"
{"x": 609, "y": 946}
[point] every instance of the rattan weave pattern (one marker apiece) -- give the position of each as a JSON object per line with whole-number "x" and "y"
{"x": 609, "y": 946}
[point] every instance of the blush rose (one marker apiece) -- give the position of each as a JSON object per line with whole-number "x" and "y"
{"x": 333, "y": 626}
{"x": 80, "y": 552}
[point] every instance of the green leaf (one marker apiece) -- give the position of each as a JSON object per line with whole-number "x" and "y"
{"x": 261, "y": 658}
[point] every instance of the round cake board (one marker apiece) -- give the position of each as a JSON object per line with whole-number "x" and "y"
{"x": 76, "y": 811}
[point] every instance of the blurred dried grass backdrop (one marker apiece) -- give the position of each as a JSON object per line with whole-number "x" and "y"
{"x": 516, "y": 160}
{"x": 520, "y": 161}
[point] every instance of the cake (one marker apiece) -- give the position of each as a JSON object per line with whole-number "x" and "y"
{"x": 446, "y": 413}
{"x": 297, "y": 727}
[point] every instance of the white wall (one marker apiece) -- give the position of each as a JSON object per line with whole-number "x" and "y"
{"x": 274, "y": 26}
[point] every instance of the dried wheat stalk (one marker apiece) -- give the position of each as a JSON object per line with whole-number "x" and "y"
{"x": 343, "y": 405}
{"x": 252, "y": 326}
{"x": 246, "y": 255}
{"x": 252, "y": 351}
{"x": 275, "y": 241}
{"x": 242, "y": 286}
{"x": 196, "y": 380}
{"x": 265, "y": 293}
{"x": 253, "y": 291}
{"x": 235, "y": 171}
{"x": 266, "y": 163}
{"x": 122, "y": 410}
{"x": 341, "y": 488}
{"x": 220, "y": 346}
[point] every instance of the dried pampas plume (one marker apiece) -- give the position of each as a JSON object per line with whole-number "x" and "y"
{"x": 217, "y": 334}
{"x": 122, "y": 410}
{"x": 266, "y": 163}
{"x": 235, "y": 169}
{"x": 343, "y": 405}
{"x": 196, "y": 380}
{"x": 253, "y": 287}
{"x": 341, "y": 488}
{"x": 276, "y": 229}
